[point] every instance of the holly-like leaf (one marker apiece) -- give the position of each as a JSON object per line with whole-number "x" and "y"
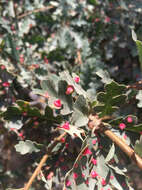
{"x": 49, "y": 86}
{"x": 109, "y": 101}
{"x": 66, "y": 100}
{"x": 24, "y": 147}
{"x": 115, "y": 182}
{"x": 110, "y": 154}
{"x": 11, "y": 112}
{"x": 31, "y": 111}
{"x": 74, "y": 131}
{"x": 70, "y": 80}
{"x": 102, "y": 168}
{"x": 139, "y": 47}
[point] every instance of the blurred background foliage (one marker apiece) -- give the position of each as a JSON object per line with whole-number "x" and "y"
{"x": 40, "y": 38}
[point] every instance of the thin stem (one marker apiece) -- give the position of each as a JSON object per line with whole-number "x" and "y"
{"x": 35, "y": 11}
{"x": 43, "y": 160}
{"x": 124, "y": 147}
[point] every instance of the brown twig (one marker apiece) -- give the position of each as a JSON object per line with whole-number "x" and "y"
{"x": 43, "y": 160}
{"x": 137, "y": 85}
{"x": 35, "y": 11}
{"x": 124, "y": 147}
{"x": 79, "y": 59}
{"x": 96, "y": 122}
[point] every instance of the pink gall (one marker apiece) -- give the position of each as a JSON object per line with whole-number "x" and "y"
{"x": 66, "y": 126}
{"x": 70, "y": 89}
{"x": 5, "y": 84}
{"x": 129, "y": 119}
{"x": 75, "y": 175}
{"x": 94, "y": 161}
{"x": 94, "y": 174}
{"x": 122, "y": 126}
{"x": 57, "y": 103}
{"x": 77, "y": 79}
{"x": 103, "y": 182}
{"x": 87, "y": 151}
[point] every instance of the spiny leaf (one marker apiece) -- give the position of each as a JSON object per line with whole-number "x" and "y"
{"x": 11, "y": 113}
{"x": 70, "y": 80}
{"x": 31, "y": 111}
{"x": 109, "y": 101}
{"x": 74, "y": 131}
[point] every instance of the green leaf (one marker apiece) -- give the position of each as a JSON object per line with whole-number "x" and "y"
{"x": 11, "y": 113}
{"x": 109, "y": 101}
{"x": 102, "y": 168}
{"x": 139, "y": 47}
{"x": 66, "y": 100}
{"x": 80, "y": 114}
{"x": 116, "y": 183}
{"x": 14, "y": 52}
{"x": 48, "y": 112}
{"x": 49, "y": 115}
{"x": 24, "y": 147}
{"x": 70, "y": 80}
{"x": 138, "y": 147}
{"x": 110, "y": 154}
{"x": 135, "y": 128}
{"x": 49, "y": 86}
{"x": 81, "y": 105}
{"x": 31, "y": 111}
